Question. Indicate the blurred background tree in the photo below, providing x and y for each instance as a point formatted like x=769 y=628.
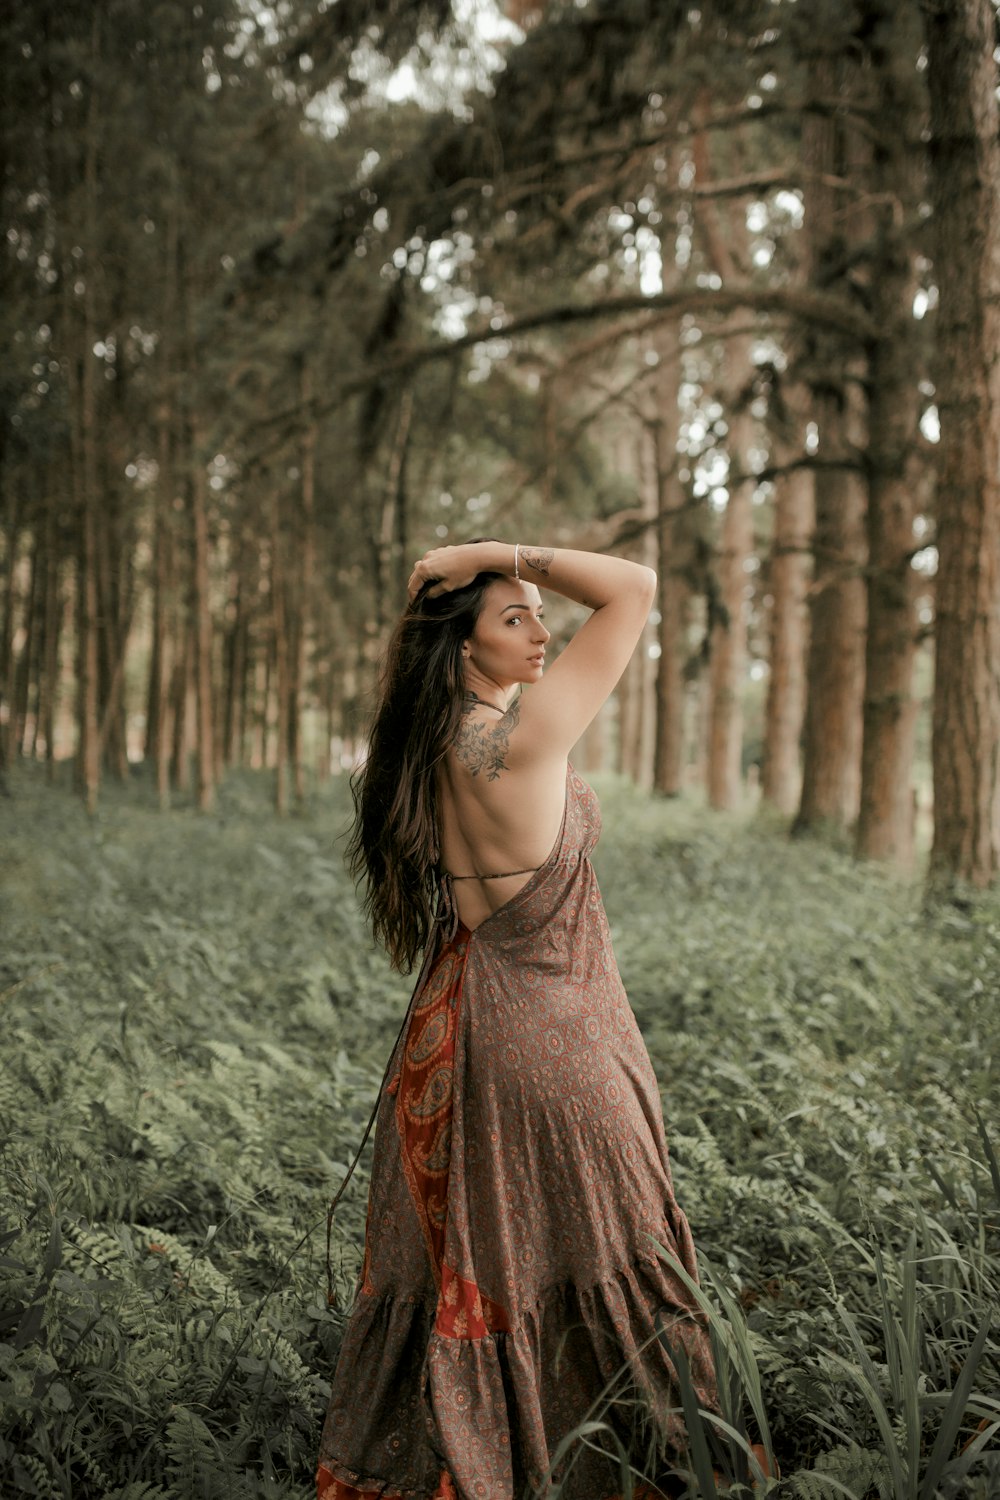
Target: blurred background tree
x=292 y=294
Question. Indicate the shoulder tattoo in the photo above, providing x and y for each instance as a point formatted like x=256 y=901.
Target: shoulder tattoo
x=480 y=747
x=537 y=558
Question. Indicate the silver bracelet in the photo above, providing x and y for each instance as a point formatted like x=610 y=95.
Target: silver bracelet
x=517 y=548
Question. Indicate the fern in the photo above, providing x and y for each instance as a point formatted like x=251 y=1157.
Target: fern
x=193 y=1455
x=847 y=1469
x=821 y=1043
x=860 y=1468
x=140 y=1490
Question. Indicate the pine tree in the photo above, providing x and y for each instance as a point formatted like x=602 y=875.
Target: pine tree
x=965 y=186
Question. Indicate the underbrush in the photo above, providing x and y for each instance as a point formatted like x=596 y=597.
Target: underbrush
x=195 y=1024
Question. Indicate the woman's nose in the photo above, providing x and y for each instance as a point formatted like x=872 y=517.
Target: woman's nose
x=541 y=634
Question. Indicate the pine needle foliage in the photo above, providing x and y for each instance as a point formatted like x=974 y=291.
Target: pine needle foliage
x=195 y=1023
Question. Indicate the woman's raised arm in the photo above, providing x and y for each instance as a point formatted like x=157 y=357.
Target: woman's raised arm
x=557 y=710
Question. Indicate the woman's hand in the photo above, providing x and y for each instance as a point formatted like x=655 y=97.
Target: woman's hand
x=448 y=568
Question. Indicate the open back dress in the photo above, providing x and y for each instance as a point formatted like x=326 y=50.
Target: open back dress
x=521 y=1217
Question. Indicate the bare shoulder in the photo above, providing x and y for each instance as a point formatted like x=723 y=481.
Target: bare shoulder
x=482 y=744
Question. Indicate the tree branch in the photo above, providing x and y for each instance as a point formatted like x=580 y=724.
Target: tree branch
x=807 y=461
x=822 y=308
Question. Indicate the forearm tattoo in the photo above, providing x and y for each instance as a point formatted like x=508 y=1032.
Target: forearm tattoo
x=483 y=748
x=537 y=558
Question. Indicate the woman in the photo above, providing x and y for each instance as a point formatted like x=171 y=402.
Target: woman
x=520 y=1184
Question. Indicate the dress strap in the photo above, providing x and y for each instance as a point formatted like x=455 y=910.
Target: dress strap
x=501 y=875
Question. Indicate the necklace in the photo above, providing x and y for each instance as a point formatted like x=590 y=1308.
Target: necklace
x=474 y=698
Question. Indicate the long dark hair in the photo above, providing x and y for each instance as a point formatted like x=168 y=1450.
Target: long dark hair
x=393 y=847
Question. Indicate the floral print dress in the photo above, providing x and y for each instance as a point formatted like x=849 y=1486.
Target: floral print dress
x=520 y=1188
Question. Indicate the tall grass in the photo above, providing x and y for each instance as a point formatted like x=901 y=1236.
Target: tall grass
x=195 y=1022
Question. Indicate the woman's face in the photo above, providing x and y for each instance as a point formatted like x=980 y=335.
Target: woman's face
x=508 y=643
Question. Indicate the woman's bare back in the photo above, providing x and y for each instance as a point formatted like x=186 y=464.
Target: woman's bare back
x=499 y=812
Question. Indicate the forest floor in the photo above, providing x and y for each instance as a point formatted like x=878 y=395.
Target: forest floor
x=195 y=1024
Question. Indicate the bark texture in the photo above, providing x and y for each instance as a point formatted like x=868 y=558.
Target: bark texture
x=831 y=770
x=674 y=588
x=885 y=821
x=89 y=760
x=790 y=566
x=965 y=185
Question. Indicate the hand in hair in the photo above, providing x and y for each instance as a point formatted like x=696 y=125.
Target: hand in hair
x=445 y=569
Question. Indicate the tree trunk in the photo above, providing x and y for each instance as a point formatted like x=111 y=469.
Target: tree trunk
x=965 y=184
x=262 y=701
x=673 y=603
x=330 y=681
x=234 y=668
x=630 y=718
x=282 y=683
x=156 y=633
x=202 y=610
x=636 y=690
x=789 y=568
x=831 y=769
x=384 y=526
x=89 y=726
x=645 y=664
x=113 y=728
x=112 y=613
x=728 y=646
x=24 y=669
x=160 y=689
x=674 y=588
x=50 y=662
x=165 y=621
x=8 y=660
x=244 y=683
x=726 y=245
x=885 y=821
x=166 y=617
x=301 y=616
x=702 y=713
x=182 y=694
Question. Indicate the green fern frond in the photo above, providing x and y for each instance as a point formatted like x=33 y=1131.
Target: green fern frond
x=139 y=1490
x=846 y=1468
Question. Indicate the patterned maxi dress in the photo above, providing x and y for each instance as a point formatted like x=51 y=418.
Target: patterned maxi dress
x=519 y=1187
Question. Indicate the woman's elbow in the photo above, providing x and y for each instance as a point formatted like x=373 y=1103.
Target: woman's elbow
x=647 y=582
